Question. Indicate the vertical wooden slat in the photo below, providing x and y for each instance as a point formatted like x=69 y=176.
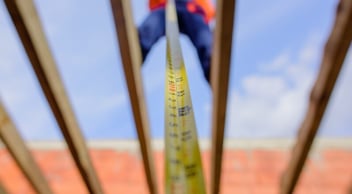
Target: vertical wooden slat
x=334 y=53
x=220 y=69
x=131 y=60
x=2 y=189
x=18 y=150
x=27 y=23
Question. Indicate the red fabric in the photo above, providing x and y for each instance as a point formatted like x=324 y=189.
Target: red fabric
x=153 y=4
x=191 y=7
x=207 y=8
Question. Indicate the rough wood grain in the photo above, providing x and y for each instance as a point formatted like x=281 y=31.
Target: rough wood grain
x=334 y=53
x=27 y=23
x=18 y=150
x=220 y=69
x=131 y=60
x=2 y=189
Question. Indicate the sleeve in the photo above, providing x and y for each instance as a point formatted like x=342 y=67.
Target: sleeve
x=155 y=3
x=208 y=8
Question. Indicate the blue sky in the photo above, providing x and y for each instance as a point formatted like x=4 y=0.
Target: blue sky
x=276 y=54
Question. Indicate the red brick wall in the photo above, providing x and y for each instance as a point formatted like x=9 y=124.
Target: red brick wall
x=244 y=171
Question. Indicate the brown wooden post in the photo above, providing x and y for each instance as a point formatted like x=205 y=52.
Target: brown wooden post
x=2 y=189
x=18 y=150
x=131 y=60
x=334 y=54
x=27 y=23
x=220 y=70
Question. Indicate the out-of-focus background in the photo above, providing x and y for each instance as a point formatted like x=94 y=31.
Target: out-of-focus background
x=276 y=55
x=277 y=48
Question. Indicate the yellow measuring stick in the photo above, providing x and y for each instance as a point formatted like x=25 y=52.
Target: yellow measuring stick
x=183 y=166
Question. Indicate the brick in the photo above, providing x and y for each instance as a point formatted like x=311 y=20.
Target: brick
x=244 y=172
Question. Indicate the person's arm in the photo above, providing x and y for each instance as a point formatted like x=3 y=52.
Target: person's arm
x=155 y=3
x=208 y=8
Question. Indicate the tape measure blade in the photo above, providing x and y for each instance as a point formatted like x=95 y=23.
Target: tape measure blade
x=183 y=167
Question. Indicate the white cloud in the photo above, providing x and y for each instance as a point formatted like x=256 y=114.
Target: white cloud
x=277 y=64
x=272 y=101
x=265 y=87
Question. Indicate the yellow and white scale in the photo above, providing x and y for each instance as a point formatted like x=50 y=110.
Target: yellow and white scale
x=183 y=166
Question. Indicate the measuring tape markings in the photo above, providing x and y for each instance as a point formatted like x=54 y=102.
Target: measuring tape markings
x=184 y=173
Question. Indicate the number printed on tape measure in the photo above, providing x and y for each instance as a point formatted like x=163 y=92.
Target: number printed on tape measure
x=172 y=100
x=183 y=167
x=172 y=107
x=175 y=161
x=179 y=79
x=183 y=111
x=186 y=135
x=175 y=178
x=172 y=115
x=172 y=87
x=191 y=174
x=181 y=93
x=174 y=135
x=191 y=170
x=177 y=148
x=173 y=124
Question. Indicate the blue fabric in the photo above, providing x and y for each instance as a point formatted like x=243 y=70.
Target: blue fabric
x=191 y=24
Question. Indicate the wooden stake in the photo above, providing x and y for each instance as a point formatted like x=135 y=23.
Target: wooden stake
x=25 y=18
x=334 y=54
x=220 y=70
x=131 y=60
x=18 y=150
